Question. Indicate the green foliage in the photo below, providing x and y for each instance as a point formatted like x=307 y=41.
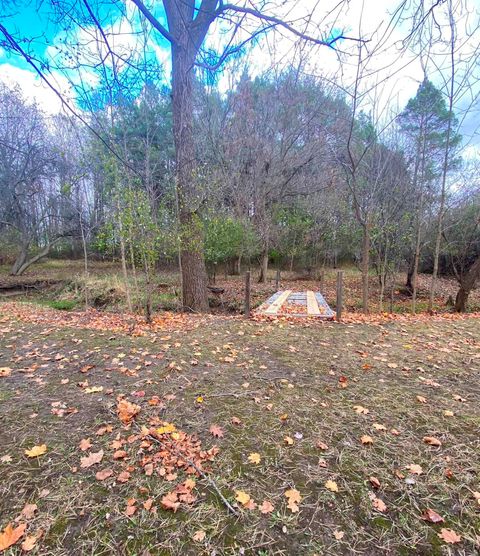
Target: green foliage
x=227 y=237
x=63 y=304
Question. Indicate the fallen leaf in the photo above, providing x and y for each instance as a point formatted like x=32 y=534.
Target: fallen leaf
x=331 y=485
x=266 y=507
x=432 y=516
x=5 y=371
x=321 y=445
x=127 y=411
x=254 y=458
x=242 y=497
x=235 y=421
x=374 y=482
x=449 y=536
x=10 y=536
x=392 y=365
x=199 y=536
x=93 y=389
x=421 y=399
x=360 y=409
x=448 y=413
x=36 y=451
x=294 y=498
x=216 y=431
x=29 y=511
x=7 y=458
x=288 y=440
x=148 y=469
x=91 y=459
x=432 y=441
x=378 y=503
x=379 y=427
x=170 y=502
x=85 y=444
x=415 y=469
x=339 y=535
x=30 y=541
x=103 y=474
x=366 y=439
x=123 y=477
x=147 y=505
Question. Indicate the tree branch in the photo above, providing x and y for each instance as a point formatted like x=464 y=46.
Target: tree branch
x=154 y=21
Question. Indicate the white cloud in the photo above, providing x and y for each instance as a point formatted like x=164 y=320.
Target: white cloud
x=34 y=88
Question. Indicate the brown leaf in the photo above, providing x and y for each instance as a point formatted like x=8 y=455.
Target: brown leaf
x=216 y=431
x=432 y=516
x=366 y=439
x=103 y=474
x=119 y=454
x=127 y=411
x=321 y=445
x=170 y=502
x=266 y=507
x=374 y=481
x=339 y=535
x=294 y=498
x=5 y=371
x=415 y=469
x=29 y=511
x=378 y=503
x=242 y=497
x=331 y=485
x=148 y=504
x=235 y=421
x=85 y=444
x=123 y=477
x=10 y=536
x=30 y=541
x=421 y=399
x=130 y=510
x=148 y=469
x=91 y=459
x=449 y=536
x=432 y=441
x=199 y=536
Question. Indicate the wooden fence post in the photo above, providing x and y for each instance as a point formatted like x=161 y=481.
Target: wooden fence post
x=277 y=280
x=247 y=293
x=339 y=305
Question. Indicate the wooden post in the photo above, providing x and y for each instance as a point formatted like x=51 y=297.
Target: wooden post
x=277 y=280
x=339 y=295
x=322 y=281
x=247 y=293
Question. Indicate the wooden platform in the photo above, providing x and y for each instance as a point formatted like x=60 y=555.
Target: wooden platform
x=297 y=304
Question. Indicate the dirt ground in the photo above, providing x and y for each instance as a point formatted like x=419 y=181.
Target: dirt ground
x=369 y=427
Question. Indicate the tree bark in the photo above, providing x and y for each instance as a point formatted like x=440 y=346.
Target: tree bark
x=467 y=283
x=263 y=266
x=365 y=265
x=194 y=274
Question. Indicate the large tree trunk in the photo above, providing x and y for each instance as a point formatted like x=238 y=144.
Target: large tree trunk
x=22 y=262
x=466 y=285
x=194 y=274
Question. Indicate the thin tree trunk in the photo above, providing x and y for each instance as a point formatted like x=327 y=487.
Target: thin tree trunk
x=365 y=265
x=263 y=266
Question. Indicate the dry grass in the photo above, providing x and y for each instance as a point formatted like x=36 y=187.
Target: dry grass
x=279 y=380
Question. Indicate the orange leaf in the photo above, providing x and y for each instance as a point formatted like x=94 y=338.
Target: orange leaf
x=449 y=536
x=366 y=439
x=216 y=431
x=85 y=444
x=30 y=541
x=432 y=441
x=266 y=507
x=126 y=411
x=103 y=474
x=91 y=459
x=432 y=516
x=170 y=502
x=294 y=498
x=10 y=536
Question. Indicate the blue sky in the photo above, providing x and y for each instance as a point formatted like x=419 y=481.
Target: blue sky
x=31 y=19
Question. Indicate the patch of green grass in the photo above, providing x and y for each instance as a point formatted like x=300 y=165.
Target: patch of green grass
x=62 y=304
